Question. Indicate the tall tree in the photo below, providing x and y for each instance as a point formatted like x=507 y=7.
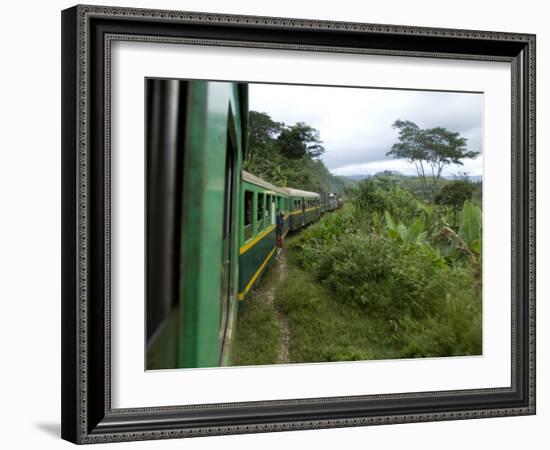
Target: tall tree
x=299 y=141
x=410 y=147
x=262 y=129
x=262 y=155
x=286 y=155
x=430 y=150
x=444 y=148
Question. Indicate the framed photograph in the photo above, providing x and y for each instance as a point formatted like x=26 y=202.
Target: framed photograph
x=280 y=224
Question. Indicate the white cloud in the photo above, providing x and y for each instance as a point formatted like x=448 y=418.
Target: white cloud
x=471 y=167
x=356 y=123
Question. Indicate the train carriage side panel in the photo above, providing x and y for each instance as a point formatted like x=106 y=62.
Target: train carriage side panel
x=210 y=128
x=258 y=231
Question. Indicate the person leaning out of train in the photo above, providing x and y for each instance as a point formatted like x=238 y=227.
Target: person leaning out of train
x=280 y=222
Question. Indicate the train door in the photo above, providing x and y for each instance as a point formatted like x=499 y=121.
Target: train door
x=303 y=211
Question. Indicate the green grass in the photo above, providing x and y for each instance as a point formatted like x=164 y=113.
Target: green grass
x=325 y=329
x=258 y=334
x=321 y=329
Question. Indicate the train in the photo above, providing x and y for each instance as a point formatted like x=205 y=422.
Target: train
x=210 y=225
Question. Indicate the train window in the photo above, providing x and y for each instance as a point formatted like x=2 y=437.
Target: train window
x=268 y=208
x=260 y=211
x=273 y=209
x=248 y=206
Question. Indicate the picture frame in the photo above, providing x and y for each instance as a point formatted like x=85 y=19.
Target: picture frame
x=87 y=413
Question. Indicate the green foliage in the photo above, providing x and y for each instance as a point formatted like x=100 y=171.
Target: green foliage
x=455 y=330
x=388 y=278
x=300 y=141
x=313 y=242
x=415 y=234
x=470 y=226
x=321 y=328
x=424 y=303
x=357 y=297
x=377 y=195
x=258 y=335
x=262 y=129
x=455 y=193
x=262 y=156
x=288 y=155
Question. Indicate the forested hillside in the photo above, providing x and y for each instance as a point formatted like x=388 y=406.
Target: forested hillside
x=289 y=155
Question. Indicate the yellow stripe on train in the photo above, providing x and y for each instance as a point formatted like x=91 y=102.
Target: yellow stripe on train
x=300 y=212
x=252 y=242
x=256 y=275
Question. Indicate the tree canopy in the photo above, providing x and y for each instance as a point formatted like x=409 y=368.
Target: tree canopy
x=454 y=194
x=429 y=150
x=288 y=155
x=300 y=141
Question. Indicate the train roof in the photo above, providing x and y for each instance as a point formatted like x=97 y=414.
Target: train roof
x=247 y=176
x=299 y=193
x=291 y=192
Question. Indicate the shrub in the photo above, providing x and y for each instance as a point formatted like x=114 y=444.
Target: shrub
x=315 y=240
x=373 y=198
x=391 y=279
x=454 y=194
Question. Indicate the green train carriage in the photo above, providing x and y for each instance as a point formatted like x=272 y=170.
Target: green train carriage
x=211 y=227
x=196 y=139
x=261 y=202
x=305 y=207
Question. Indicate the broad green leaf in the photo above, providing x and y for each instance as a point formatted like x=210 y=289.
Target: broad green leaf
x=470 y=222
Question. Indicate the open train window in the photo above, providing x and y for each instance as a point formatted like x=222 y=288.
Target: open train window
x=260 y=211
x=248 y=206
x=268 y=208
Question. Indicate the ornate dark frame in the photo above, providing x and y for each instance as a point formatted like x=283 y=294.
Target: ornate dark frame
x=87 y=32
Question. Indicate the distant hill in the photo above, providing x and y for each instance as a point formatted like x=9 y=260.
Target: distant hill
x=355 y=177
x=339 y=183
x=393 y=173
x=472 y=178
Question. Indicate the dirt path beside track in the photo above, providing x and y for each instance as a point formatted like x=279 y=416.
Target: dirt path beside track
x=267 y=294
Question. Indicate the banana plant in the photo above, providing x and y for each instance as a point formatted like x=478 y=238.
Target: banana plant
x=414 y=234
x=470 y=226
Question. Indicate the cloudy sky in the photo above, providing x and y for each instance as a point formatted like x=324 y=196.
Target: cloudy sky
x=356 y=123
